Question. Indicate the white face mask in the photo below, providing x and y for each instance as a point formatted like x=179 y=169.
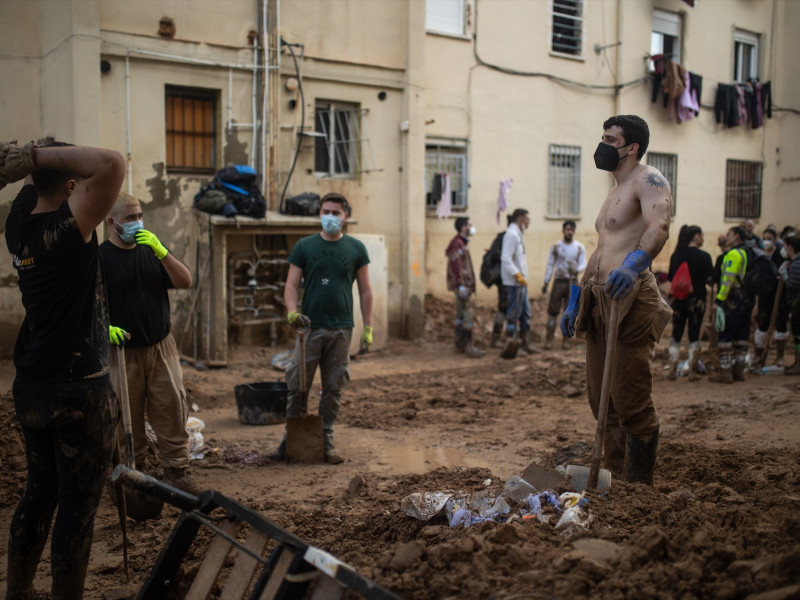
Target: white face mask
x=768 y=244
x=784 y=254
x=472 y=231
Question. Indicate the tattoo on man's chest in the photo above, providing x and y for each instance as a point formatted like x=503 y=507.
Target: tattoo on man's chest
x=656 y=181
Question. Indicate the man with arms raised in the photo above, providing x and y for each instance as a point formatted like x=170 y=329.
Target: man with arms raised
x=633 y=226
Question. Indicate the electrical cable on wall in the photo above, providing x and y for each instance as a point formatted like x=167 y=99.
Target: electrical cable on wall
x=302 y=118
x=554 y=78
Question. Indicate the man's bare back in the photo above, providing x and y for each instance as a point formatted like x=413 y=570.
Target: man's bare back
x=635 y=216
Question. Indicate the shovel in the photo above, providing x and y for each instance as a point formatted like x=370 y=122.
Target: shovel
x=304 y=442
x=587 y=478
x=138 y=505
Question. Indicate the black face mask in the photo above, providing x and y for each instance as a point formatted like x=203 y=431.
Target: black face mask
x=606 y=157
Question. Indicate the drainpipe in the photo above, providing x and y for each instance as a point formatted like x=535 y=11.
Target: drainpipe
x=254 y=101
x=128 y=162
x=264 y=99
x=618 y=71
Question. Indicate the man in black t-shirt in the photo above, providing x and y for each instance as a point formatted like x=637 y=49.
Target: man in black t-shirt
x=63 y=397
x=139 y=270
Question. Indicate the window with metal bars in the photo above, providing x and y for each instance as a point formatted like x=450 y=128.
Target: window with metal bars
x=568 y=27
x=668 y=165
x=564 y=192
x=743 y=189
x=191 y=123
x=451 y=160
x=342 y=146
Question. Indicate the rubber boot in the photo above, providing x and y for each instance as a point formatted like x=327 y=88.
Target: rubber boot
x=469 y=348
x=179 y=477
x=724 y=375
x=279 y=454
x=757 y=361
x=739 y=363
x=694 y=361
x=640 y=458
x=332 y=455
x=549 y=333
x=614 y=443
x=527 y=343
x=795 y=368
x=674 y=350
x=780 y=348
x=497 y=331
x=458 y=338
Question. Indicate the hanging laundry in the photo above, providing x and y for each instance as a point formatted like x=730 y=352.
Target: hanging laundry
x=674 y=84
x=436 y=188
x=696 y=88
x=659 y=70
x=502 y=196
x=688 y=105
x=444 y=206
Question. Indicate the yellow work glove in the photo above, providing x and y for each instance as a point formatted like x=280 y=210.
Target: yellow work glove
x=297 y=320
x=520 y=279
x=148 y=238
x=366 y=339
x=117 y=335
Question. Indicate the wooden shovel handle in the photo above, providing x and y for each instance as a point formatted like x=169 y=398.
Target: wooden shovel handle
x=605 y=392
x=301 y=340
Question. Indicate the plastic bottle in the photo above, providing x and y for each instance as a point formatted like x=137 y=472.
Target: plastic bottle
x=772 y=370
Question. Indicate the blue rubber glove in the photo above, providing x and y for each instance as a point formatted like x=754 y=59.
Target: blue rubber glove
x=620 y=281
x=463 y=292
x=571 y=314
x=719 y=320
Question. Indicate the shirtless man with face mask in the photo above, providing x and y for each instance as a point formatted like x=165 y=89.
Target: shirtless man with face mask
x=633 y=226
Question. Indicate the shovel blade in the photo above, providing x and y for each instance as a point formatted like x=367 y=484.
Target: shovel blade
x=579 y=477
x=304 y=442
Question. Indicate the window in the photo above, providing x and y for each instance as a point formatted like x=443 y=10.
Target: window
x=338 y=137
x=191 y=129
x=666 y=35
x=445 y=16
x=668 y=165
x=745 y=56
x=743 y=190
x=450 y=159
x=568 y=27
x=564 y=197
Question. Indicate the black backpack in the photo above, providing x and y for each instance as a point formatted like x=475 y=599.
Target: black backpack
x=490 y=265
x=761 y=276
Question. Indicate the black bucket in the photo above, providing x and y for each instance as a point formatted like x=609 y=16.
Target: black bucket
x=261 y=403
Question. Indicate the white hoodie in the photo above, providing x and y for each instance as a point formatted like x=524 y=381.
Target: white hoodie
x=512 y=258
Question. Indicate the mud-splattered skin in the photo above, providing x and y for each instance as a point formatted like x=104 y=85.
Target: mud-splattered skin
x=635 y=214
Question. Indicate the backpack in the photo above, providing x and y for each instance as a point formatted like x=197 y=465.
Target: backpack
x=490 y=265
x=761 y=276
x=238 y=184
x=682 y=286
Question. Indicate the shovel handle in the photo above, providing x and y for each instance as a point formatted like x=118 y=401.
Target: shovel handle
x=125 y=406
x=301 y=341
x=605 y=392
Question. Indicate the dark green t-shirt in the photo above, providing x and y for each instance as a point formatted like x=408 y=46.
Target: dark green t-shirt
x=329 y=269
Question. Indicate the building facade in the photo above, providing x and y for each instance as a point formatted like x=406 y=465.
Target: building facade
x=394 y=103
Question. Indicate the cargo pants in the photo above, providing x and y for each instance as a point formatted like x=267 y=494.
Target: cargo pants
x=643 y=315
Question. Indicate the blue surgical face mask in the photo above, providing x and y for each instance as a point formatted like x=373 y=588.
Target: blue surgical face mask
x=330 y=224
x=129 y=230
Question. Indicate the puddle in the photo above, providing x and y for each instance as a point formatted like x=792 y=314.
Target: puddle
x=407 y=459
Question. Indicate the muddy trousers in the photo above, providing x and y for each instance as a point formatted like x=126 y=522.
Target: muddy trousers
x=156 y=393
x=330 y=350
x=69 y=440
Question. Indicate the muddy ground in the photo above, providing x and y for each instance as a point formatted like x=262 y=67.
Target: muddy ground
x=721 y=521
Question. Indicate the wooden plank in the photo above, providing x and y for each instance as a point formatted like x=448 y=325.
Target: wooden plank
x=328 y=589
x=212 y=563
x=277 y=575
x=244 y=567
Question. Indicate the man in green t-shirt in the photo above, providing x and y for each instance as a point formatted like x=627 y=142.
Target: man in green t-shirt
x=327 y=263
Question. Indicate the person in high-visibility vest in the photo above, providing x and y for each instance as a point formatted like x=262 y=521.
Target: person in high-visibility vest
x=734 y=308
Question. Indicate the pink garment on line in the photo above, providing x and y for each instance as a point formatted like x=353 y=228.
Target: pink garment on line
x=502 y=197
